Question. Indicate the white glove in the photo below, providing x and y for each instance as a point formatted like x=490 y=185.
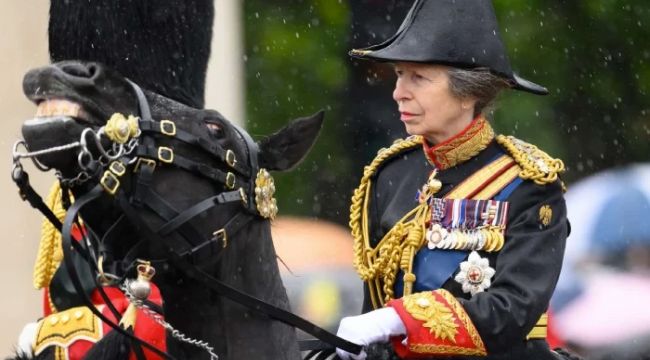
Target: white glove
x=26 y=340
x=373 y=327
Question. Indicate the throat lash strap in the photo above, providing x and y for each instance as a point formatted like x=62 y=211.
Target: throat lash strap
x=205 y=205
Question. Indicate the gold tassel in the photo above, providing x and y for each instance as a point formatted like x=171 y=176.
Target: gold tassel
x=50 y=253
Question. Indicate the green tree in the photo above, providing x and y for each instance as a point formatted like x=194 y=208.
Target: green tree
x=592 y=56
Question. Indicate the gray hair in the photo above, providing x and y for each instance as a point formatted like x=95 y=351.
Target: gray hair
x=479 y=84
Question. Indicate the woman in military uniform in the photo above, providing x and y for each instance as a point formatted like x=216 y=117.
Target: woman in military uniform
x=459 y=233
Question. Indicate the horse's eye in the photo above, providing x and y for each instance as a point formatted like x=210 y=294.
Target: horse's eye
x=214 y=129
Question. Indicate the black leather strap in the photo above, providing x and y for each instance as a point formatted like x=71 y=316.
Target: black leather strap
x=211 y=147
x=205 y=170
x=253 y=152
x=205 y=205
x=68 y=244
x=26 y=191
x=231 y=293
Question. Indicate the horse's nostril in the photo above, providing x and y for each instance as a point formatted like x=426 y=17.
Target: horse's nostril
x=92 y=70
x=78 y=70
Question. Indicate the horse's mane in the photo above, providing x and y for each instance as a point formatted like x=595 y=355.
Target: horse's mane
x=163 y=45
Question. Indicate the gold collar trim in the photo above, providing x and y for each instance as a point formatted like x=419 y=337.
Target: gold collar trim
x=462 y=147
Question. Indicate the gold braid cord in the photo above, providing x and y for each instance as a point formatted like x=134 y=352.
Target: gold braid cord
x=379 y=266
x=50 y=252
x=536 y=165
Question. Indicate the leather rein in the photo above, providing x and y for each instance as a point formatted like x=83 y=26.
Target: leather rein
x=144 y=157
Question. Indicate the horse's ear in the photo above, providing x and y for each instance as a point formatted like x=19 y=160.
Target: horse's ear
x=287 y=147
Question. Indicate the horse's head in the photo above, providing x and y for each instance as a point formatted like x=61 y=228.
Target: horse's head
x=210 y=154
x=72 y=96
x=188 y=172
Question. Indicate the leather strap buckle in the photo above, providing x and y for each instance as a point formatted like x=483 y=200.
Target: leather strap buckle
x=117 y=168
x=144 y=162
x=230 y=180
x=244 y=198
x=168 y=127
x=166 y=154
x=231 y=160
x=110 y=182
x=221 y=235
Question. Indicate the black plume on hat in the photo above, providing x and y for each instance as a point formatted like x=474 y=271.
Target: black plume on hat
x=163 y=45
x=459 y=33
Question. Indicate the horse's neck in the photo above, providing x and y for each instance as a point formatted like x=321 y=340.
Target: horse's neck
x=249 y=264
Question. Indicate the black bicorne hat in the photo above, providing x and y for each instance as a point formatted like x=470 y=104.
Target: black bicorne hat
x=459 y=33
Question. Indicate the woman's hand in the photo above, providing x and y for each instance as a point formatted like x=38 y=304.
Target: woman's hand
x=372 y=327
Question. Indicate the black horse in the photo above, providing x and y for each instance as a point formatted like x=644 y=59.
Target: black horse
x=215 y=158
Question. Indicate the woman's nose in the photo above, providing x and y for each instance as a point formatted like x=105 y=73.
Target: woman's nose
x=400 y=92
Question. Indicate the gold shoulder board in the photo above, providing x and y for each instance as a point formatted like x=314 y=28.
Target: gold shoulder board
x=535 y=164
x=64 y=328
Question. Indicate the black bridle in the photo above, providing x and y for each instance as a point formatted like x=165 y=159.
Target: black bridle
x=184 y=257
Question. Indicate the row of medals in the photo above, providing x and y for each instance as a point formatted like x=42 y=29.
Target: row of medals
x=486 y=238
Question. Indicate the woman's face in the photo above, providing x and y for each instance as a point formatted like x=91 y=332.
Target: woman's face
x=426 y=105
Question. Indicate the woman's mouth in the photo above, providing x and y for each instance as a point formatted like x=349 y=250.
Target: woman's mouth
x=406 y=116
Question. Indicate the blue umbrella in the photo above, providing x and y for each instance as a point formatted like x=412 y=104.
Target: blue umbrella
x=623 y=222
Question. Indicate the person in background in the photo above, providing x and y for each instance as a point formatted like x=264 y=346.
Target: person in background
x=459 y=233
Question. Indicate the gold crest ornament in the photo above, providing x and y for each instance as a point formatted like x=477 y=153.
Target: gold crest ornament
x=120 y=129
x=545 y=215
x=264 y=191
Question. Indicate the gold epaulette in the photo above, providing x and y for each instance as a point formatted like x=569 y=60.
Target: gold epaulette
x=535 y=164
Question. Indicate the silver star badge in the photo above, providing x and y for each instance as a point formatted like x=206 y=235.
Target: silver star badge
x=475 y=274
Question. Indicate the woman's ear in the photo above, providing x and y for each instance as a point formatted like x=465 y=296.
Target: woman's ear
x=288 y=147
x=468 y=103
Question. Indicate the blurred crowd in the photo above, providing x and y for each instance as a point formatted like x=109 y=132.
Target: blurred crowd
x=601 y=302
